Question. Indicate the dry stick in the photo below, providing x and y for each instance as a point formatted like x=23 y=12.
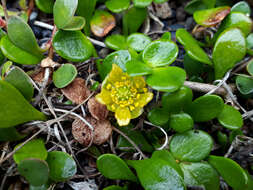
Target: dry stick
x=130 y=141
x=30 y=8
x=5 y=9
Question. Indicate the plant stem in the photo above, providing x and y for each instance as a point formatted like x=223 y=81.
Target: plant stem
x=5 y=9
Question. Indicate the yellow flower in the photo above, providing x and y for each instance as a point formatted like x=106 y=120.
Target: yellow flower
x=124 y=95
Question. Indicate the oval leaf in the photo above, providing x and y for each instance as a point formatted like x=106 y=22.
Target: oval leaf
x=142 y=3
x=46 y=6
x=205 y=108
x=167 y=79
x=250 y=67
x=72 y=45
x=160 y=53
x=191 y=146
x=137 y=68
x=138 y=41
x=117 y=6
x=244 y=84
x=116 y=42
x=229 y=48
x=158 y=116
x=64 y=75
x=242 y=7
x=181 y=122
x=61 y=165
x=113 y=167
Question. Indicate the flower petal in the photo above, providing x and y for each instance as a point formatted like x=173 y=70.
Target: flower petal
x=139 y=82
x=136 y=113
x=123 y=116
x=115 y=74
x=104 y=97
x=144 y=99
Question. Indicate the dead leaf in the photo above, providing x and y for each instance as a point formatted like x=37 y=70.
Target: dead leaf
x=76 y=91
x=97 y=110
x=38 y=76
x=48 y=62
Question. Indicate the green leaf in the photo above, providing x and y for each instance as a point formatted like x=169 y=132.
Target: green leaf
x=114 y=187
x=15 y=109
x=157 y=174
x=133 y=19
x=230 y=118
x=72 y=45
x=192 y=47
x=230 y=171
x=181 y=122
x=142 y=3
x=166 y=36
x=168 y=157
x=201 y=174
x=137 y=68
x=167 y=79
x=205 y=108
x=249 y=43
x=244 y=84
x=21 y=35
x=138 y=41
x=42 y=187
x=102 y=23
x=64 y=11
x=250 y=67
x=191 y=146
x=61 y=165
x=17 y=54
x=160 y=53
x=85 y=9
x=192 y=66
x=64 y=75
x=10 y=134
x=158 y=116
x=241 y=6
x=34 y=170
x=136 y=136
x=113 y=167
x=211 y=17
x=229 y=49
x=238 y=20
x=76 y=23
x=175 y=102
x=116 y=42
x=117 y=6
x=119 y=58
x=46 y=6
x=33 y=149
x=21 y=81
x=195 y=5
x=6 y=68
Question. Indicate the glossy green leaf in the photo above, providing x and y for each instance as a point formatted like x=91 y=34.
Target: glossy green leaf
x=138 y=41
x=142 y=3
x=181 y=122
x=191 y=146
x=192 y=66
x=85 y=9
x=62 y=166
x=34 y=170
x=113 y=167
x=230 y=171
x=21 y=35
x=249 y=44
x=10 y=134
x=46 y=6
x=15 y=109
x=116 y=42
x=72 y=45
x=167 y=79
x=241 y=6
x=76 y=23
x=234 y=134
x=166 y=36
x=250 y=67
x=192 y=47
x=33 y=149
x=21 y=81
x=195 y=5
x=160 y=1
x=6 y=68
x=136 y=136
x=42 y=187
x=157 y=174
x=119 y=58
x=158 y=116
x=205 y=108
x=211 y=17
x=238 y=20
x=229 y=49
x=168 y=157
x=117 y=6
x=133 y=19
x=114 y=187
x=102 y=23
x=201 y=174
x=64 y=11
x=175 y=102
x=160 y=53
x=244 y=84
x=63 y=76
x=230 y=118
x=137 y=68
x=16 y=54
